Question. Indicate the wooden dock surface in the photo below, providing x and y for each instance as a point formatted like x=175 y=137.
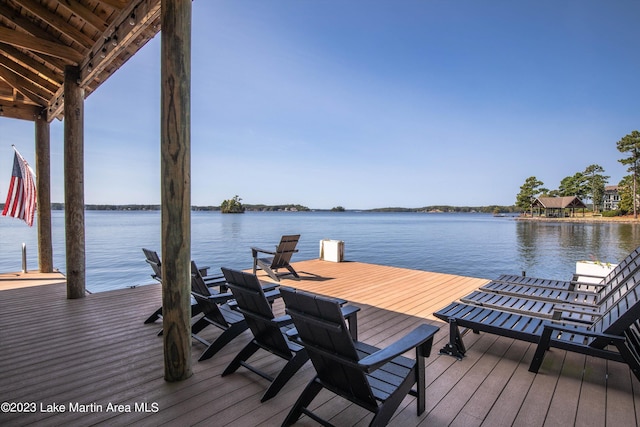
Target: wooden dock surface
x=96 y=359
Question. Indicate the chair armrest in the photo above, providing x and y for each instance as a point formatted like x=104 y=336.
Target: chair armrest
x=413 y=339
x=581 y=330
x=254 y=251
x=268 y=286
x=283 y=320
x=574 y=313
x=216 y=298
x=349 y=310
x=272 y=295
x=598 y=284
x=580 y=309
x=212 y=278
x=278 y=321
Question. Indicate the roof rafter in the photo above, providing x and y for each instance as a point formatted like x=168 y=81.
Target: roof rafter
x=22 y=85
x=29 y=75
x=25 y=41
x=124 y=30
x=85 y=14
x=56 y=22
x=40 y=38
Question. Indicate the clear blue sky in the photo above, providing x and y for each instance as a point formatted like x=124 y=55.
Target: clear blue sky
x=369 y=103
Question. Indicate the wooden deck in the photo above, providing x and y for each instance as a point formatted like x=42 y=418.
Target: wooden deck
x=96 y=352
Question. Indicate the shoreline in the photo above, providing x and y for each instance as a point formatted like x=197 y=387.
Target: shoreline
x=627 y=219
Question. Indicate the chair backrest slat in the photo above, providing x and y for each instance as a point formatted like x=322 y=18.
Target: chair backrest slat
x=153 y=260
x=618 y=318
x=151 y=255
x=201 y=292
x=252 y=302
x=621 y=279
x=285 y=250
x=632 y=260
x=321 y=325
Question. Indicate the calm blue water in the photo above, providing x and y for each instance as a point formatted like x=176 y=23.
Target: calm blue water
x=476 y=245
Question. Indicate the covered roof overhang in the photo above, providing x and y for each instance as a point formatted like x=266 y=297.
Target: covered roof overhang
x=559 y=202
x=39 y=38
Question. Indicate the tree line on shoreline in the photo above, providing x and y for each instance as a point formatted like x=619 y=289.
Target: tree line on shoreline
x=300 y=208
x=589 y=184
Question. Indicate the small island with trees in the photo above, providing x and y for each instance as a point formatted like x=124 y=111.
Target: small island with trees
x=232 y=205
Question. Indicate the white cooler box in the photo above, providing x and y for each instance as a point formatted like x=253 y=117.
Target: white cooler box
x=332 y=250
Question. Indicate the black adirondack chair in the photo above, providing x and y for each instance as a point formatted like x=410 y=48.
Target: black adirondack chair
x=279 y=258
x=375 y=379
x=269 y=332
x=213 y=281
x=615 y=335
x=216 y=311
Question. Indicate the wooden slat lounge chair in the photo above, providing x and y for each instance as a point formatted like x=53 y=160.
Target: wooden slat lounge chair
x=568 y=291
x=507 y=283
x=566 y=305
x=279 y=258
x=615 y=335
x=269 y=332
x=375 y=379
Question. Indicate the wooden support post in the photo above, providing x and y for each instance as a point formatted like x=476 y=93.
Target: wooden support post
x=43 y=202
x=74 y=182
x=176 y=187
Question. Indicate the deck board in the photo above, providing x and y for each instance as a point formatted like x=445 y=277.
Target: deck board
x=97 y=350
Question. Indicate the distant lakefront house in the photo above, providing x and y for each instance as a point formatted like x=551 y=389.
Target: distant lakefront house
x=557 y=207
x=611 y=198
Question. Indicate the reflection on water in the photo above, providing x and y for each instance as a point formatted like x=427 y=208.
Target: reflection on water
x=547 y=246
x=475 y=245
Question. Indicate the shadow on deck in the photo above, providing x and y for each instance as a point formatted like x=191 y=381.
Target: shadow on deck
x=96 y=359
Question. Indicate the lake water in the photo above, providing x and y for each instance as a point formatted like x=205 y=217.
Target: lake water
x=476 y=245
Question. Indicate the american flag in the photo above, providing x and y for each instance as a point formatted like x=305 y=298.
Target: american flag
x=21 y=199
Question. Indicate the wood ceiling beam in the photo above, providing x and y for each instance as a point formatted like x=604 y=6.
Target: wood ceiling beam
x=28 y=42
x=130 y=24
x=24 y=86
x=29 y=75
x=85 y=14
x=115 y=4
x=57 y=22
x=37 y=66
x=20 y=111
x=24 y=24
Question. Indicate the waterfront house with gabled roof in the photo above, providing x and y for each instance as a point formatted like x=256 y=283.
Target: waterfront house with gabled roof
x=559 y=206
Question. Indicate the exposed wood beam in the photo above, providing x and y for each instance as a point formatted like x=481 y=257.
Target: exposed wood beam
x=25 y=24
x=29 y=75
x=37 y=66
x=115 y=4
x=85 y=14
x=24 y=86
x=19 y=111
x=25 y=41
x=57 y=22
x=141 y=14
